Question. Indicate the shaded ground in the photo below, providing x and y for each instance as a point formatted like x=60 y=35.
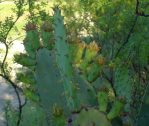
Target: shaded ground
x=7 y=92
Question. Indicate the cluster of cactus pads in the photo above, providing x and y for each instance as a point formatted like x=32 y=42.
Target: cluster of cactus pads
x=63 y=72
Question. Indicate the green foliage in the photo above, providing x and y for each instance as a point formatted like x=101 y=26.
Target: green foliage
x=4 y=28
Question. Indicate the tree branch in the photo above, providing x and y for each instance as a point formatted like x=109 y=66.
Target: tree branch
x=137 y=14
x=128 y=36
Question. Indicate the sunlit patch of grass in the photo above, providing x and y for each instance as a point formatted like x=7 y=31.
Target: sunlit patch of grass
x=6 y=10
x=18 y=29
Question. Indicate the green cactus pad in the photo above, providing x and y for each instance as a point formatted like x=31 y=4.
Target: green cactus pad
x=49 y=86
x=76 y=51
x=116 y=109
x=31 y=42
x=63 y=59
x=93 y=72
x=91 y=117
x=24 y=60
x=102 y=97
x=90 y=53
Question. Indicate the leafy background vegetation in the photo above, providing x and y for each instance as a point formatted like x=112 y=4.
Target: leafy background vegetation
x=91 y=62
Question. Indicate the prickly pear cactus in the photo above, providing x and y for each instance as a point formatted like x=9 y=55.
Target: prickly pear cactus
x=35 y=39
x=102 y=97
x=49 y=82
x=76 y=52
x=25 y=61
x=86 y=72
x=91 y=117
x=87 y=60
x=28 y=61
x=86 y=92
x=47 y=35
x=65 y=74
x=100 y=117
x=33 y=115
x=63 y=59
x=124 y=85
x=90 y=53
x=31 y=42
x=93 y=72
x=116 y=109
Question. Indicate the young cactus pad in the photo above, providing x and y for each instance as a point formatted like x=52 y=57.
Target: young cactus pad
x=116 y=109
x=31 y=41
x=93 y=72
x=76 y=50
x=90 y=53
x=102 y=97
